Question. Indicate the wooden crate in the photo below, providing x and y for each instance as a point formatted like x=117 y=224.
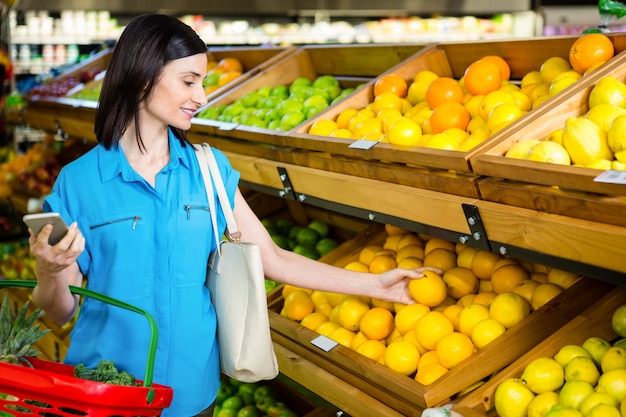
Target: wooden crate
x=351 y=65
x=593 y=321
x=559 y=189
x=403 y=393
x=450 y=60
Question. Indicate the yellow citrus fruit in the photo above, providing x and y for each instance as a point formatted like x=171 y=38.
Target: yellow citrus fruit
x=596 y=346
x=377 y=323
x=519 y=150
x=402 y=357
x=526 y=289
x=604 y=114
x=509 y=309
x=391 y=242
x=373 y=349
x=484 y=285
x=608 y=90
x=431 y=328
x=410 y=251
x=582 y=368
x=613 y=382
x=391 y=229
x=342 y=336
x=543 y=294
x=470 y=316
x=428 y=357
x=288 y=289
x=335 y=298
x=465 y=256
x=410 y=263
x=407 y=317
x=512 y=398
x=542 y=403
x=561 y=83
x=410 y=239
x=410 y=337
x=563 y=279
x=367 y=253
x=543 y=374
x=327 y=328
x=604 y=410
x=483 y=263
x=442 y=141
x=485 y=298
x=357 y=340
x=324 y=308
x=404 y=132
x=568 y=352
x=350 y=312
x=613 y=358
x=618 y=321
x=430 y=290
x=596 y=398
x=573 y=393
x=440 y=258
x=486 y=331
x=417 y=89
x=382 y=263
x=466 y=300
x=298 y=304
x=357 y=266
x=453 y=312
x=503 y=113
x=585 y=141
x=313 y=320
x=323 y=127
x=615 y=134
x=453 y=349
x=552 y=67
x=460 y=281
x=436 y=243
x=493 y=99
x=549 y=152
x=430 y=373
x=507 y=277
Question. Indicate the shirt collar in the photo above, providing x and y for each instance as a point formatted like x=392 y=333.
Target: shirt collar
x=113 y=162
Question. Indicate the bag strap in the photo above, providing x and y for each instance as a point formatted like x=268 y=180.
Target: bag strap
x=204 y=169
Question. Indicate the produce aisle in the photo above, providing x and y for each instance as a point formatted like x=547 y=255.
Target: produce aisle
x=549 y=222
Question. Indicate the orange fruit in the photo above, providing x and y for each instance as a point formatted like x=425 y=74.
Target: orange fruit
x=350 y=312
x=410 y=337
x=288 y=289
x=327 y=328
x=526 y=289
x=470 y=316
x=430 y=373
x=357 y=266
x=227 y=77
x=410 y=251
x=590 y=49
x=391 y=229
x=544 y=293
x=431 y=328
x=503 y=66
x=298 y=305
x=313 y=320
x=430 y=290
x=437 y=242
x=391 y=242
x=342 y=336
x=509 y=309
x=427 y=358
x=442 y=90
x=440 y=258
x=230 y=64
x=454 y=348
x=449 y=115
x=410 y=263
x=507 y=277
x=482 y=77
x=377 y=323
x=563 y=279
x=382 y=263
x=373 y=349
x=407 y=317
x=483 y=263
x=484 y=297
x=357 y=340
x=461 y=281
x=391 y=82
x=367 y=253
x=465 y=256
x=453 y=312
x=402 y=357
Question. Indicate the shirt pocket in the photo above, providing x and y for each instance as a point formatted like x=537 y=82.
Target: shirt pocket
x=194 y=244
x=123 y=256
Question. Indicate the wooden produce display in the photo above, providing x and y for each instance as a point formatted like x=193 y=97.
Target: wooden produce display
x=351 y=65
x=594 y=321
x=402 y=393
x=562 y=189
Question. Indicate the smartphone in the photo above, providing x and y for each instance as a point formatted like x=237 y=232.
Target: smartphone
x=37 y=221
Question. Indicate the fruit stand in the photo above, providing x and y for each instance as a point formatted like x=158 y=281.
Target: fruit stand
x=531 y=211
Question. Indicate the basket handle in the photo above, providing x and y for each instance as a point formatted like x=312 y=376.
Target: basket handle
x=147 y=381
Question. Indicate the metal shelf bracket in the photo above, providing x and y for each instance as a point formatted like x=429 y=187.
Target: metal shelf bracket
x=287 y=191
x=478 y=235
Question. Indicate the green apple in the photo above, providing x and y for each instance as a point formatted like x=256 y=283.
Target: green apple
x=289 y=105
x=264 y=91
x=291 y=120
x=325 y=81
x=250 y=99
x=280 y=91
x=264 y=391
x=300 y=82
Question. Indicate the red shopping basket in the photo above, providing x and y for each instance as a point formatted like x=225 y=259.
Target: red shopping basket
x=50 y=389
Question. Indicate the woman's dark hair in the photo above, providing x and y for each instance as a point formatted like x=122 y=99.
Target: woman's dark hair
x=148 y=43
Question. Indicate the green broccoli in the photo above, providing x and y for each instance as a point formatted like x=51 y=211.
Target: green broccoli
x=105 y=372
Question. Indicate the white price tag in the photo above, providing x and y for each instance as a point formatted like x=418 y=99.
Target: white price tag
x=363 y=144
x=612 y=177
x=324 y=343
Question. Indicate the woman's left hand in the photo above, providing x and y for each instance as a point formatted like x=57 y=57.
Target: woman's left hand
x=394 y=283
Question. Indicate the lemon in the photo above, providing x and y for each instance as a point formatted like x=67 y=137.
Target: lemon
x=560 y=411
x=552 y=67
x=493 y=99
x=512 y=398
x=582 y=368
x=559 y=84
x=596 y=346
x=618 y=166
x=613 y=382
x=585 y=141
x=604 y=410
x=550 y=152
x=532 y=77
x=442 y=141
x=519 y=150
x=556 y=136
x=597 y=398
x=605 y=114
x=602 y=164
x=616 y=135
x=608 y=90
x=323 y=127
x=543 y=374
x=613 y=358
x=568 y=352
x=618 y=320
x=503 y=113
x=543 y=403
x=573 y=393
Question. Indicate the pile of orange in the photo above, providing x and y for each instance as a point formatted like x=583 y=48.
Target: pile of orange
x=476 y=298
x=222 y=72
x=436 y=110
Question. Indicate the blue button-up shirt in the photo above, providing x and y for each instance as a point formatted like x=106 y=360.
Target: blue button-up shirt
x=146 y=246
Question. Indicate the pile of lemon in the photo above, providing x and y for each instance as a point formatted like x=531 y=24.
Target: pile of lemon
x=595 y=139
x=587 y=380
x=476 y=298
